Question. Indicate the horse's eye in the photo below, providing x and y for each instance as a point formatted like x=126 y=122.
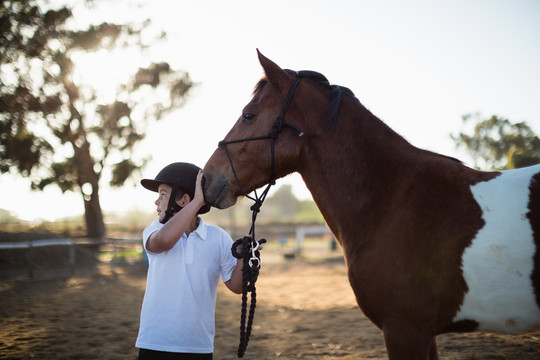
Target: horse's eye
x=248 y=117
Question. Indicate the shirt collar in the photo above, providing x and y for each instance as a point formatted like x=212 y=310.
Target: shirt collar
x=201 y=230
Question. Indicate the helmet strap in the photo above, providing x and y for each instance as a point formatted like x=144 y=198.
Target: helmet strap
x=172 y=207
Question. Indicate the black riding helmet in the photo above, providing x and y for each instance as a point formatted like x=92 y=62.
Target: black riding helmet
x=182 y=177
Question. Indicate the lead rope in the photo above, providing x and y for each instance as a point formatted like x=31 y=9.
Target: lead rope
x=250 y=253
x=250 y=272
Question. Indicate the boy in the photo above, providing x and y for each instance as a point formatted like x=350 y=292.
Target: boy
x=186 y=259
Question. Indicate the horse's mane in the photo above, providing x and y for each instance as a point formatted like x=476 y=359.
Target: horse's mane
x=336 y=92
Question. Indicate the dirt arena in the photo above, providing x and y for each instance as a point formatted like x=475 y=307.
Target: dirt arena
x=305 y=310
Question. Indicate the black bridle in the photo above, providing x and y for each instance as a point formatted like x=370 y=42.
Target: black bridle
x=272 y=135
x=252 y=262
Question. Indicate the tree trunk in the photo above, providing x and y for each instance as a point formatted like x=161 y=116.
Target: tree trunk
x=95 y=227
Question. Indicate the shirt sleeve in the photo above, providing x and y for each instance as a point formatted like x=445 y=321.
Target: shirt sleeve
x=149 y=230
x=228 y=261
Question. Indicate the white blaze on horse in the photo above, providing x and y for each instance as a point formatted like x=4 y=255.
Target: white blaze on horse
x=431 y=245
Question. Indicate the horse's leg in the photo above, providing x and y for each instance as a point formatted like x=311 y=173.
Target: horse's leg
x=403 y=343
x=433 y=353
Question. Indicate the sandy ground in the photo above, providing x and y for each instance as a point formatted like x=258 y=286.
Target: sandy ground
x=305 y=310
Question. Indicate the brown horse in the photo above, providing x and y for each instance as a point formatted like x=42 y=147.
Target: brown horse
x=431 y=245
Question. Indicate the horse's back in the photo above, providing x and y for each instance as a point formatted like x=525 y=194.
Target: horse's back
x=502 y=265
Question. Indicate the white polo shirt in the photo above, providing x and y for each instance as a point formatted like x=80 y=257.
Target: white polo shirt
x=179 y=303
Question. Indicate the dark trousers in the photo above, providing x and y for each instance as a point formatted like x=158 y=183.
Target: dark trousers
x=145 y=354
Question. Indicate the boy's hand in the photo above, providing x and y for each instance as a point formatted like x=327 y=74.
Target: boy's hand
x=239 y=246
x=199 y=196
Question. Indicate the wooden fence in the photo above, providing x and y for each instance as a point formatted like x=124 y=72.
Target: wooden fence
x=113 y=250
x=71 y=243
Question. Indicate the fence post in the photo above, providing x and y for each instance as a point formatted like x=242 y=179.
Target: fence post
x=30 y=259
x=113 y=262
x=72 y=258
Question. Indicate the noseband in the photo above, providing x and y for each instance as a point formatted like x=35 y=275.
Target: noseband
x=252 y=262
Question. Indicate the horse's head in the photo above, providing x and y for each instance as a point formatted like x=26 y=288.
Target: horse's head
x=264 y=144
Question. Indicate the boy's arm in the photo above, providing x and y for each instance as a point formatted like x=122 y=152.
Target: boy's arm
x=168 y=235
x=235 y=282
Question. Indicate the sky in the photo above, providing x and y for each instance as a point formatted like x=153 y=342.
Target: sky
x=418 y=65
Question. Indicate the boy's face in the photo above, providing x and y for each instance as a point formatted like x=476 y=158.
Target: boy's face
x=162 y=202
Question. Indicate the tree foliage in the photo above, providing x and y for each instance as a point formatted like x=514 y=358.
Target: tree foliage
x=282 y=205
x=55 y=129
x=496 y=143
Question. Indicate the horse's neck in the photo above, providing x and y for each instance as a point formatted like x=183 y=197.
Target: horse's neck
x=353 y=168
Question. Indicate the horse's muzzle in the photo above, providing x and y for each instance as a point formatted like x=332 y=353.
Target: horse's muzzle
x=218 y=192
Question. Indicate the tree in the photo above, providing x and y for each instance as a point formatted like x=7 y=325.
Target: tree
x=56 y=130
x=500 y=144
x=282 y=205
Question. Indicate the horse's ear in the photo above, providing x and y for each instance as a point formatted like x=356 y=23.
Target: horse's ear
x=275 y=75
